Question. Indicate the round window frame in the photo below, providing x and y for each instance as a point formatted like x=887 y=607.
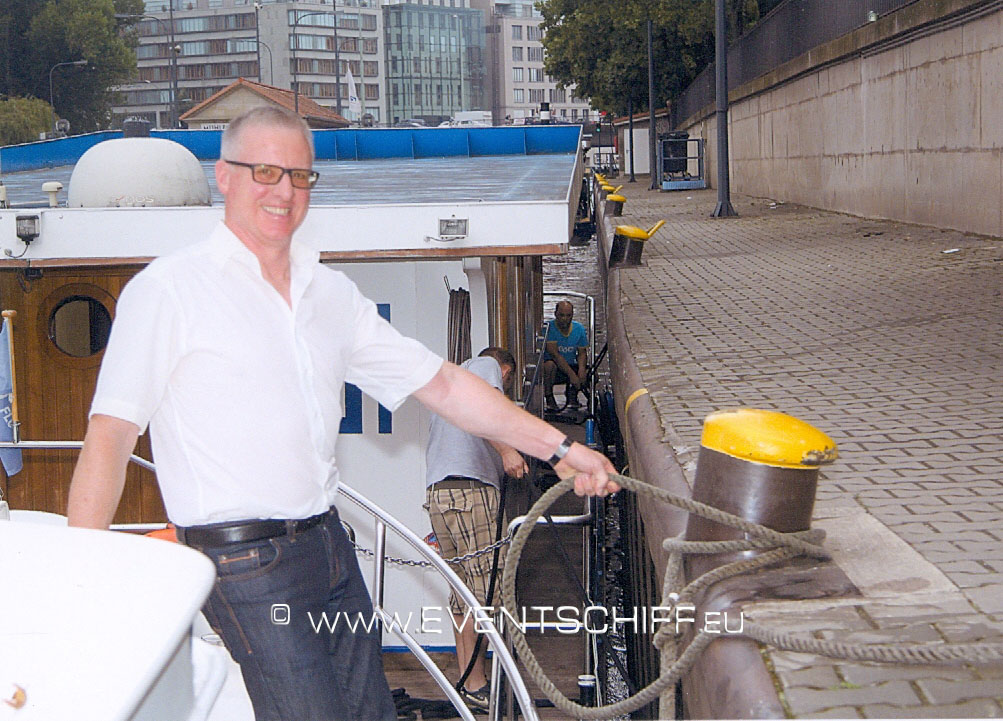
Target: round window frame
x=52 y=303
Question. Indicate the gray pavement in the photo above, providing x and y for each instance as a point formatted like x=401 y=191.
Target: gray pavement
x=888 y=337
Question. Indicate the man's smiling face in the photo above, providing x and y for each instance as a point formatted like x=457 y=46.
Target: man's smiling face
x=265 y=216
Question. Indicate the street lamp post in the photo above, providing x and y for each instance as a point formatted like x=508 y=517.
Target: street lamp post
x=337 y=57
x=52 y=107
x=172 y=58
x=257 y=37
x=271 y=69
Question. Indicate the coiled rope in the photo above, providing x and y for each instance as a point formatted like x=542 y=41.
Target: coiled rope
x=782 y=545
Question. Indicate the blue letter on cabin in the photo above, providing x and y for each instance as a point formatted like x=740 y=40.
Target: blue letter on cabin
x=352 y=421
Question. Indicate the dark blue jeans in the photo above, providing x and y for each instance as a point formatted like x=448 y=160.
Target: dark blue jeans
x=268 y=606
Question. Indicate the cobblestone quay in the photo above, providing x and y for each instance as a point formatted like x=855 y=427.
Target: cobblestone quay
x=886 y=336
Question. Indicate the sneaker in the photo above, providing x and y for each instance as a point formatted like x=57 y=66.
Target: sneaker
x=573 y=402
x=478 y=700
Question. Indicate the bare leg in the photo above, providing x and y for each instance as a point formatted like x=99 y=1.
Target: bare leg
x=465 y=641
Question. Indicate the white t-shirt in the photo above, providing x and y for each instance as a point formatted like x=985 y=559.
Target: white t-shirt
x=242 y=393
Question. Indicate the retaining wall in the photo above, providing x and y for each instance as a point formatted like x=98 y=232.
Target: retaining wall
x=899 y=119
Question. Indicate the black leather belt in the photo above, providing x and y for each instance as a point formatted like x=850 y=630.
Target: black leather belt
x=219 y=534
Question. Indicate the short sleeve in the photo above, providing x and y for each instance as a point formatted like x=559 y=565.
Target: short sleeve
x=142 y=350
x=384 y=363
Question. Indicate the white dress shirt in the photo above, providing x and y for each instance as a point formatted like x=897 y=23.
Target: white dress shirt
x=242 y=393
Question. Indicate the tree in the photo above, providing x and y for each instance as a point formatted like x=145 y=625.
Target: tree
x=22 y=119
x=35 y=35
x=600 y=47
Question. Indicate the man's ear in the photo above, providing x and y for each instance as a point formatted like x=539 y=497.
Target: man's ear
x=222 y=169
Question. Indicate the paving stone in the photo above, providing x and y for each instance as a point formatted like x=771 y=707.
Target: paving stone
x=839 y=712
x=803 y=700
x=938 y=691
x=988 y=599
x=815 y=676
x=982 y=708
x=863 y=675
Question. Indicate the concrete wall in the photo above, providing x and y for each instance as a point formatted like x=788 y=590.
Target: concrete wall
x=902 y=119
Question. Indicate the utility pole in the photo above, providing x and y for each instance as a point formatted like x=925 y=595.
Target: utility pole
x=724 y=208
x=652 y=157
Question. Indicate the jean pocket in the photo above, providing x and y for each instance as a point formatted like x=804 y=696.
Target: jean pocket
x=248 y=562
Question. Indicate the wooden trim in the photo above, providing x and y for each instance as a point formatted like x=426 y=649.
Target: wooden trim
x=73 y=262
x=402 y=254
x=493 y=251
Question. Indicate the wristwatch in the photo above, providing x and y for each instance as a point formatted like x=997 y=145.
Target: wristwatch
x=562 y=450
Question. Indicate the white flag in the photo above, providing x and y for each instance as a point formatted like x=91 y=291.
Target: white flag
x=353 y=97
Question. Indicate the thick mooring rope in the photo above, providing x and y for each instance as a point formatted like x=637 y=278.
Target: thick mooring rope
x=782 y=545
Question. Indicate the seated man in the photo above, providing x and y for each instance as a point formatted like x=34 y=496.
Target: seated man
x=565 y=356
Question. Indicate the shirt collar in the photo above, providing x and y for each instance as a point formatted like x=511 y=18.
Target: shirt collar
x=224 y=245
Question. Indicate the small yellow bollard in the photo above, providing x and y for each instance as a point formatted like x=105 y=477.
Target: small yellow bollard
x=628 y=244
x=760 y=465
x=616 y=202
x=607 y=188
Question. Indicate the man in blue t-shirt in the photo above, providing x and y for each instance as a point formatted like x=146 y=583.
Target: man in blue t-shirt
x=565 y=356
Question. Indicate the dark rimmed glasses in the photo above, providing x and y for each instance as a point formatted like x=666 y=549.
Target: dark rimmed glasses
x=302 y=178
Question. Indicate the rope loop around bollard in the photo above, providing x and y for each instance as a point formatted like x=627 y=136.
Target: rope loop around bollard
x=783 y=545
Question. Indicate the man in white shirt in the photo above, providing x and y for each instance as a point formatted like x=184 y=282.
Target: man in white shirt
x=234 y=351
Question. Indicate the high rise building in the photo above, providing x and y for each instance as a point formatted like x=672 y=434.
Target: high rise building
x=518 y=84
x=435 y=59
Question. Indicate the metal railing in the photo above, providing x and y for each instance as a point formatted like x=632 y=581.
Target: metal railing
x=483 y=622
x=70 y=445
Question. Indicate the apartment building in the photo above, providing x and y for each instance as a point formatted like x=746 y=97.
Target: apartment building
x=190 y=49
x=518 y=84
x=408 y=59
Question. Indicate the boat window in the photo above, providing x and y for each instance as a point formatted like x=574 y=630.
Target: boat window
x=79 y=326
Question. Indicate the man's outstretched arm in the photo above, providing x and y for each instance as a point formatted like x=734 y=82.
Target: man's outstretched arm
x=469 y=403
x=99 y=476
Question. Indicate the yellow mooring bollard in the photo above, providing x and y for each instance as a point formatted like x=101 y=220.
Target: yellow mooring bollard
x=616 y=201
x=760 y=465
x=628 y=244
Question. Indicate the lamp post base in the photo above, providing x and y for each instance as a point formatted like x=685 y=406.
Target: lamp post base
x=724 y=209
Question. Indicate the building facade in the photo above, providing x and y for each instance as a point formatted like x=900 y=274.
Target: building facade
x=190 y=49
x=435 y=52
x=518 y=83
x=409 y=60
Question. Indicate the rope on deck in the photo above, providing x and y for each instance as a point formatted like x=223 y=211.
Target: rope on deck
x=674 y=665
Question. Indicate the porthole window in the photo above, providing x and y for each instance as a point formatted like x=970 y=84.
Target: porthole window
x=79 y=326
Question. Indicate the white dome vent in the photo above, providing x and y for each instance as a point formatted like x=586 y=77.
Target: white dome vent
x=135 y=173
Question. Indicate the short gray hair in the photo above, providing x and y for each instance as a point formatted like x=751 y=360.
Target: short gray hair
x=265 y=115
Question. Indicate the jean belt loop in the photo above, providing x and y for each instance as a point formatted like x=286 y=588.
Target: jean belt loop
x=291 y=528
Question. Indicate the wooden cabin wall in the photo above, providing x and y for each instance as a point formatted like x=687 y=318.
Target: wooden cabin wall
x=55 y=388
x=515 y=306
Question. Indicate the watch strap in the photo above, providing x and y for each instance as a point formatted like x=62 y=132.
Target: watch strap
x=562 y=450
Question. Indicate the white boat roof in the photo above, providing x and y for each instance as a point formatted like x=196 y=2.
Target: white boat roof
x=515 y=204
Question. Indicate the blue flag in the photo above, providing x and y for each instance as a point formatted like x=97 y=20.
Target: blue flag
x=11 y=457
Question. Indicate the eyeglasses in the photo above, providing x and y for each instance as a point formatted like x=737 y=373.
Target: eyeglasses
x=301 y=178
